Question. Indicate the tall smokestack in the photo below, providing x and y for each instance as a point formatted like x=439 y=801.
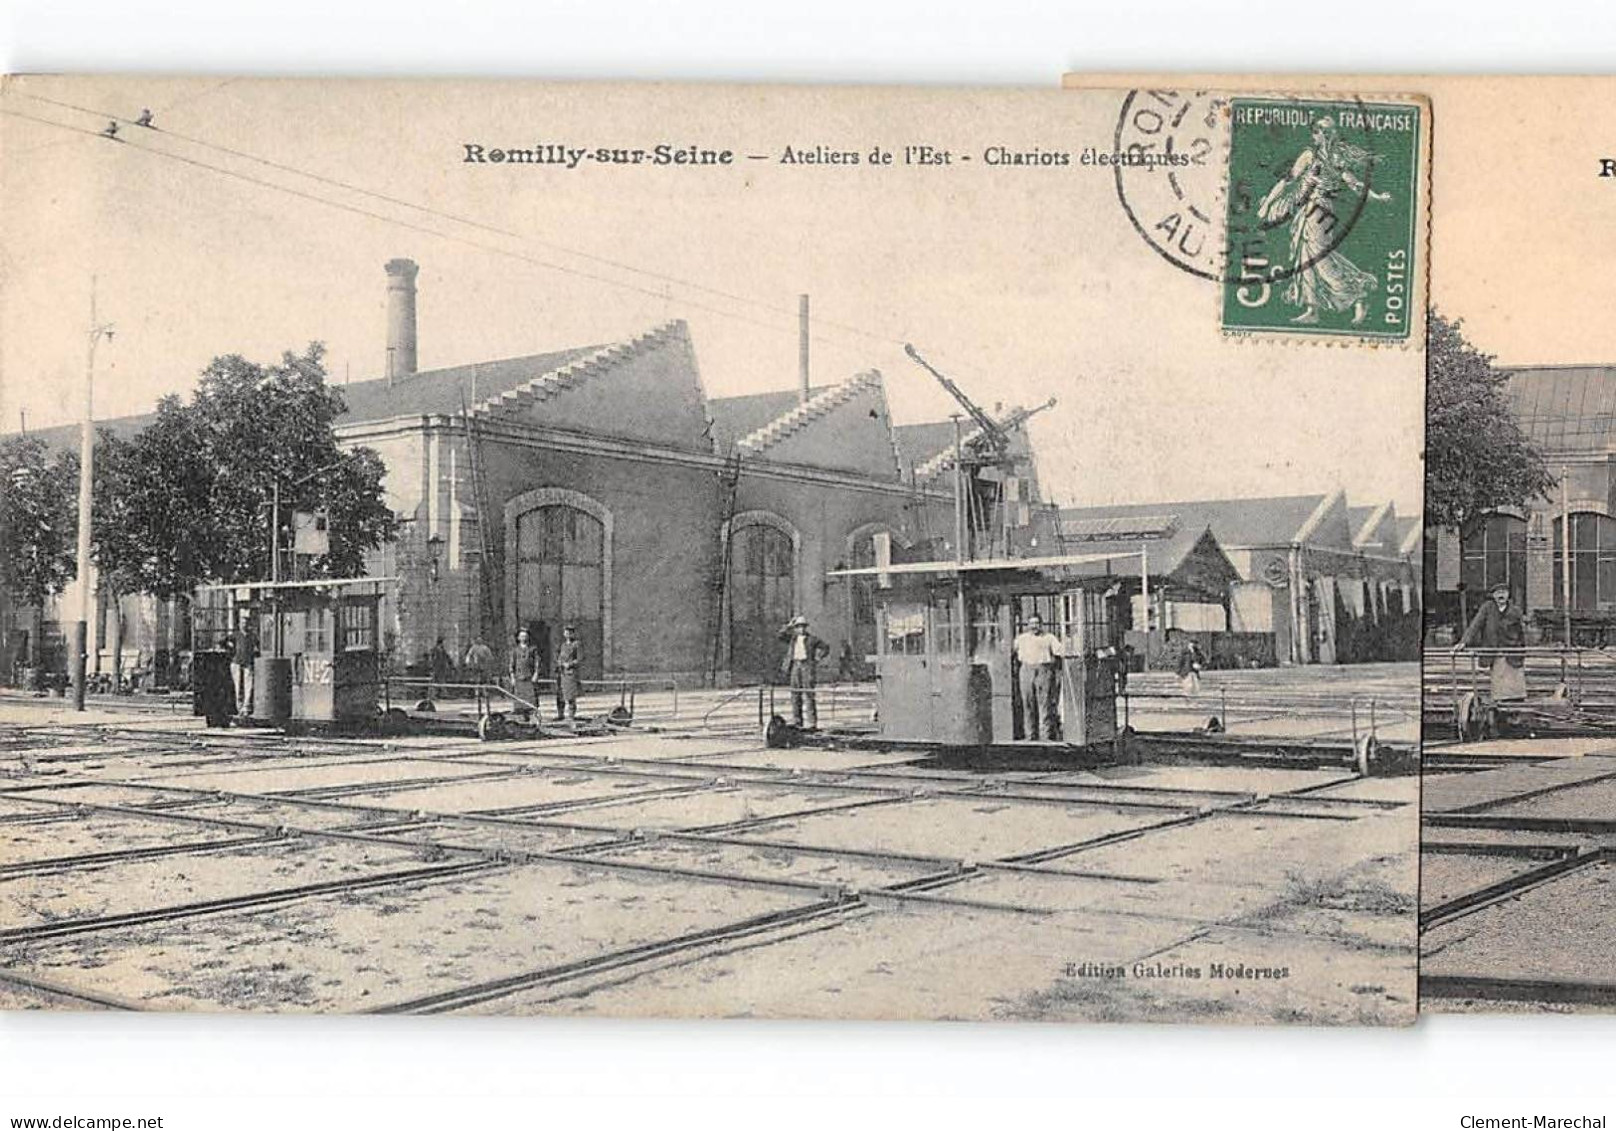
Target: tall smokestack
x=400 y=318
x=802 y=347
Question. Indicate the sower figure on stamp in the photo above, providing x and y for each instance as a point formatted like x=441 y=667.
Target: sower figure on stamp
x=1039 y=654
x=804 y=650
x=1498 y=624
x=1316 y=198
x=524 y=672
x=568 y=658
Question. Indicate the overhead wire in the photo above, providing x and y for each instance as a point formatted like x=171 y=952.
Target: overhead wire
x=357 y=210
x=458 y=219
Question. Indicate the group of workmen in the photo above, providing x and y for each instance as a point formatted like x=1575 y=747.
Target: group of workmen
x=1037 y=652
x=525 y=670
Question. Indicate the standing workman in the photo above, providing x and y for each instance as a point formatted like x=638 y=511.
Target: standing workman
x=245 y=653
x=479 y=663
x=526 y=660
x=441 y=669
x=569 y=659
x=804 y=650
x=1498 y=624
x=1039 y=655
x=1190 y=663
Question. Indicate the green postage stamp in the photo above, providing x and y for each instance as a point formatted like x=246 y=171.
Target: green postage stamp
x=1307 y=213
x=1320 y=217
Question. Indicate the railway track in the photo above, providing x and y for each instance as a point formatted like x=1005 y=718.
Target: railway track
x=1532 y=837
x=441 y=849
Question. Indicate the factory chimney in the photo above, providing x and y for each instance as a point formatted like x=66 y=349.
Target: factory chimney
x=802 y=348
x=400 y=318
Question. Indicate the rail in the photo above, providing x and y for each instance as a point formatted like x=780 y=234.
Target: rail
x=1358 y=715
x=646 y=699
x=1553 y=677
x=838 y=706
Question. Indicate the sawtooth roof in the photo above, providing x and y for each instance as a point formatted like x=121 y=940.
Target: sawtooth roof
x=736 y=417
x=1565 y=408
x=1271 y=521
x=440 y=391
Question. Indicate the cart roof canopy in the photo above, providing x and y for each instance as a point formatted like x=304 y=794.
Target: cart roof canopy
x=311 y=583
x=1188 y=561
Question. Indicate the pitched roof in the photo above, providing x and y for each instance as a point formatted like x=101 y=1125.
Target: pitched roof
x=1190 y=560
x=430 y=391
x=440 y=391
x=1357 y=516
x=64 y=436
x=1163 y=555
x=806 y=412
x=941 y=457
x=1409 y=532
x=917 y=443
x=1369 y=522
x=1565 y=408
x=1118 y=528
x=735 y=417
x=1276 y=520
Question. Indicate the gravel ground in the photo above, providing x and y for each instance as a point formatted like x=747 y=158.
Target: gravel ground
x=169 y=881
x=544 y=787
x=1333 y=898
x=369 y=948
x=310 y=774
x=1528 y=936
x=1596 y=799
x=1444 y=875
x=99 y=833
x=954 y=828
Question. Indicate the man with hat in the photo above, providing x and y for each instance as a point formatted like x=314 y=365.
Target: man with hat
x=526 y=661
x=804 y=650
x=1498 y=624
x=568 y=658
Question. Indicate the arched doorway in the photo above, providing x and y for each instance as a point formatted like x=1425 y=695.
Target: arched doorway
x=561 y=579
x=763 y=581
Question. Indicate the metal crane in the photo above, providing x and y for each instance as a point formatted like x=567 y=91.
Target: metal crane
x=991 y=442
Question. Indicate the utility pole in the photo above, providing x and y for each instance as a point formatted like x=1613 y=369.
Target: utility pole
x=1565 y=548
x=81 y=627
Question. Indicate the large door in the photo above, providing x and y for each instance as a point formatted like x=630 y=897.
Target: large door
x=561 y=579
x=762 y=584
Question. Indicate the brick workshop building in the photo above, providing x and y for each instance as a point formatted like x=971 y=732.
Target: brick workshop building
x=601 y=486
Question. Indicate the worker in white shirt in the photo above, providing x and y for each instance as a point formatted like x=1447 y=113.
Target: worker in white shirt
x=799 y=668
x=1039 y=655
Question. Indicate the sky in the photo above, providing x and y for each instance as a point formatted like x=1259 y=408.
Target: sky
x=1021 y=284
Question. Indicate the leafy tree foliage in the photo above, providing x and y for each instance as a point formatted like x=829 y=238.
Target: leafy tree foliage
x=188 y=499
x=1477 y=458
x=39 y=514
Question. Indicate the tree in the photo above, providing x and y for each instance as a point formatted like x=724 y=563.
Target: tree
x=1477 y=458
x=188 y=499
x=38 y=523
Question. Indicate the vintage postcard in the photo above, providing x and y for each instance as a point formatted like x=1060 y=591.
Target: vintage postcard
x=681 y=551
x=1520 y=726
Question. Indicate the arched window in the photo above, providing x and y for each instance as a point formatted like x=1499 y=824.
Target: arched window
x=1492 y=550
x=1593 y=561
x=762 y=594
